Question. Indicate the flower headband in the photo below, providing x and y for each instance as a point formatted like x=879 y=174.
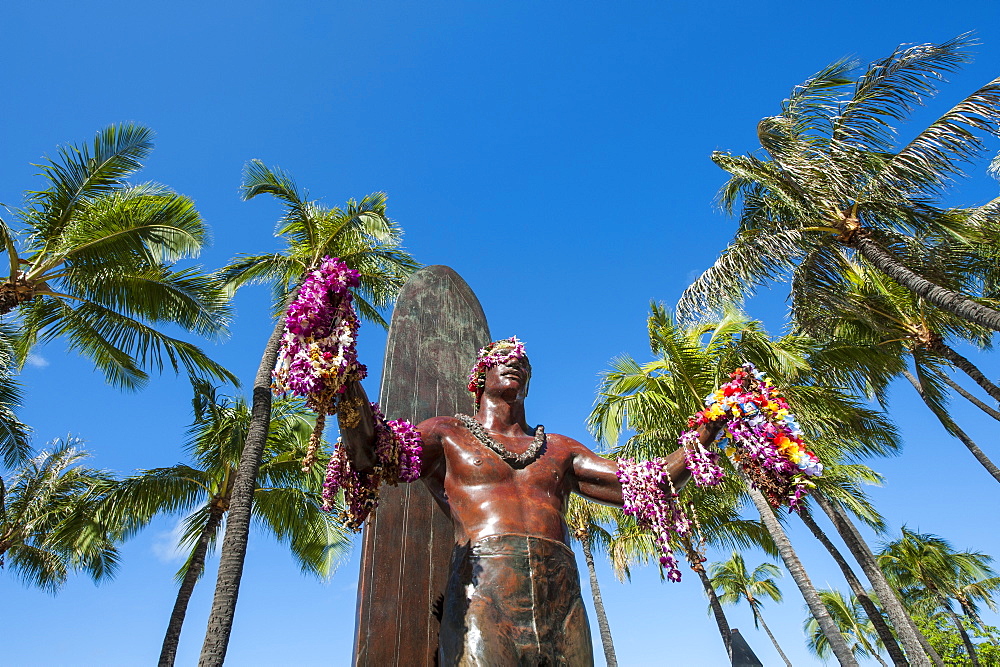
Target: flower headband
x=498 y=352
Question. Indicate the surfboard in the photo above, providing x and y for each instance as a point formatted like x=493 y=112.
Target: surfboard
x=437 y=327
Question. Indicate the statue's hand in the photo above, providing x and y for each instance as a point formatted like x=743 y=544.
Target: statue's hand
x=357 y=425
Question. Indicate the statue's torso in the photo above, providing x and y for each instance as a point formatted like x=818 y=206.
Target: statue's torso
x=486 y=496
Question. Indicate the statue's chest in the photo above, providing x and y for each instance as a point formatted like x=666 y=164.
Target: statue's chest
x=475 y=464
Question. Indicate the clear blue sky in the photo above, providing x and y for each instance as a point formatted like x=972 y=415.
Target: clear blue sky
x=554 y=154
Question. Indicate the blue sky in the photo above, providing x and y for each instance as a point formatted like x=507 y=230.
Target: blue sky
x=554 y=154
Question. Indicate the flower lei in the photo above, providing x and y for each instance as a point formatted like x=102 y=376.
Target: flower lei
x=765 y=441
x=317 y=359
x=397 y=454
x=654 y=510
x=498 y=352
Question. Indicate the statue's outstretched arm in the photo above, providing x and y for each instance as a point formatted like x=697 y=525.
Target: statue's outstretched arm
x=597 y=477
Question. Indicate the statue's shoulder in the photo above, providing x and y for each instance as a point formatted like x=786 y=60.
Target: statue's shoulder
x=438 y=424
x=567 y=443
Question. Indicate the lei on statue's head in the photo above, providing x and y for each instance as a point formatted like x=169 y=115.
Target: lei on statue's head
x=498 y=352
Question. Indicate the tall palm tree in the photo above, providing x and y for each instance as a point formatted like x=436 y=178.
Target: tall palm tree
x=859 y=306
x=735 y=584
x=925 y=567
x=914 y=642
x=363 y=236
x=14 y=434
x=287 y=501
x=584 y=519
x=655 y=399
x=843 y=481
x=855 y=626
x=93 y=260
x=831 y=176
x=47 y=524
x=851 y=300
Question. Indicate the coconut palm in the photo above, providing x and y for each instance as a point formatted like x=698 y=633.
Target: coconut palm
x=855 y=626
x=655 y=399
x=363 y=236
x=844 y=481
x=14 y=434
x=584 y=519
x=47 y=524
x=858 y=305
x=913 y=641
x=853 y=301
x=287 y=502
x=734 y=584
x=93 y=260
x=926 y=569
x=831 y=177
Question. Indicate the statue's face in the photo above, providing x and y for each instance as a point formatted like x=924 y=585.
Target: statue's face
x=515 y=373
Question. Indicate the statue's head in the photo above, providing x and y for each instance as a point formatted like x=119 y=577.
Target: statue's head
x=506 y=351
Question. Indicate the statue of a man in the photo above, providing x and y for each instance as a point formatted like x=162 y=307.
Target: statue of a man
x=513 y=596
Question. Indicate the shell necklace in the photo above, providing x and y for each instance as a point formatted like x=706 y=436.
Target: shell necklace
x=512 y=459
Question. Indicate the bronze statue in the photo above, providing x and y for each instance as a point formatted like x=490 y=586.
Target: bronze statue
x=513 y=596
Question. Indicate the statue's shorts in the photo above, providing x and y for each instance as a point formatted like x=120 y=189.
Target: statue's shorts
x=514 y=600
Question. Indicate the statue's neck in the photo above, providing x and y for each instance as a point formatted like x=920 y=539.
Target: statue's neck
x=502 y=416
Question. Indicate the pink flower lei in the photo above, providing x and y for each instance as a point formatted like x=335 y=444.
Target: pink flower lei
x=498 y=352
x=317 y=359
x=765 y=441
x=397 y=454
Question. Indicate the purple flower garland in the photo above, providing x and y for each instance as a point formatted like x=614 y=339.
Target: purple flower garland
x=766 y=443
x=317 y=359
x=765 y=439
x=654 y=510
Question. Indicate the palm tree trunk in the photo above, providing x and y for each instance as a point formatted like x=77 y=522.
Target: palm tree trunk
x=953 y=428
x=943 y=298
x=969 y=646
x=967 y=367
x=794 y=566
x=234 y=545
x=873 y=613
x=602 y=617
x=774 y=641
x=168 y=653
x=960 y=390
x=717 y=611
x=914 y=643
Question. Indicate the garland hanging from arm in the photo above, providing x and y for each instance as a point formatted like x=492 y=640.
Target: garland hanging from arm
x=764 y=440
x=318 y=358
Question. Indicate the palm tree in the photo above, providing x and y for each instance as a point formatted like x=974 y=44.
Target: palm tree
x=287 y=502
x=831 y=177
x=843 y=481
x=853 y=301
x=364 y=237
x=14 y=434
x=734 y=584
x=859 y=306
x=914 y=642
x=93 y=261
x=584 y=519
x=855 y=627
x=926 y=568
x=655 y=400
x=47 y=525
